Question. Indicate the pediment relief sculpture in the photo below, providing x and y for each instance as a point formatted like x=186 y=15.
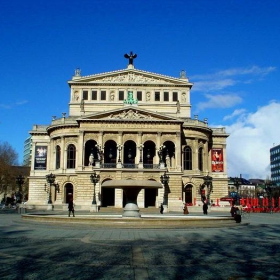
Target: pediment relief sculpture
x=130 y=114
x=131 y=78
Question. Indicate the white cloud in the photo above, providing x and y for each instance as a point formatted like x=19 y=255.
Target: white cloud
x=229 y=77
x=213 y=85
x=21 y=102
x=236 y=113
x=253 y=70
x=219 y=101
x=12 y=105
x=4 y=106
x=250 y=140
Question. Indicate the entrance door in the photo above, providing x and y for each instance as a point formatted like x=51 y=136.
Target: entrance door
x=150 y=197
x=108 y=197
x=68 y=192
x=188 y=194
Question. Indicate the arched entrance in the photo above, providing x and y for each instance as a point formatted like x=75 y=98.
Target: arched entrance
x=150 y=197
x=69 y=192
x=188 y=193
x=108 y=197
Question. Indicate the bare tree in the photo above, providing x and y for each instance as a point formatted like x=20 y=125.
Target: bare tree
x=8 y=158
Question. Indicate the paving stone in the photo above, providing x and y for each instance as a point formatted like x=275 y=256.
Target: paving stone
x=31 y=250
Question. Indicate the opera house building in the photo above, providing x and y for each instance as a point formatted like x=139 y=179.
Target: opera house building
x=127 y=127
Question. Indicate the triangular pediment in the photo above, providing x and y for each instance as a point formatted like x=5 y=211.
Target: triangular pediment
x=129 y=113
x=129 y=76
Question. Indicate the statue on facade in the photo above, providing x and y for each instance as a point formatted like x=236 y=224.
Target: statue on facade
x=82 y=105
x=160 y=153
x=99 y=152
x=91 y=160
x=178 y=106
x=130 y=100
x=167 y=160
x=130 y=57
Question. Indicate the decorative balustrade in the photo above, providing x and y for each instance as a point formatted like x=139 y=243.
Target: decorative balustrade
x=130 y=165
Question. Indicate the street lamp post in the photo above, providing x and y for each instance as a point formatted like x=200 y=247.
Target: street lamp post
x=94 y=179
x=141 y=146
x=164 y=180
x=50 y=179
x=20 y=182
x=208 y=183
x=119 y=149
x=237 y=183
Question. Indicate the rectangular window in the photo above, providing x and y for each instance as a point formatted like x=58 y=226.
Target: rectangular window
x=157 y=96
x=175 y=96
x=94 y=95
x=121 y=95
x=166 y=96
x=103 y=94
x=85 y=94
x=139 y=95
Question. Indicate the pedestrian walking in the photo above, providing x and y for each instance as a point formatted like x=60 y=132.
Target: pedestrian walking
x=71 y=208
x=237 y=216
x=161 y=208
x=233 y=210
x=205 y=208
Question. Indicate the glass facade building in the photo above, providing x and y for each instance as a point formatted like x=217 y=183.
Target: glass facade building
x=275 y=165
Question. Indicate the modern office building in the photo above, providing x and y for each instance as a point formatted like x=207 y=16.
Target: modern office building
x=27 y=150
x=130 y=125
x=275 y=165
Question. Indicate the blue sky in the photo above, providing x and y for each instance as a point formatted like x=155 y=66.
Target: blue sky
x=229 y=49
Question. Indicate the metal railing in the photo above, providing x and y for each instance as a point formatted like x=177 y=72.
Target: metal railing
x=129 y=165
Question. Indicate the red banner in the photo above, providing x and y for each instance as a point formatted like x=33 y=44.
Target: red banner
x=217 y=160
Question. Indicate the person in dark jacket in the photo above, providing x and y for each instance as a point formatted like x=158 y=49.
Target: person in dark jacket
x=71 y=208
x=205 y=208
x=161 y=208
x=232 y=210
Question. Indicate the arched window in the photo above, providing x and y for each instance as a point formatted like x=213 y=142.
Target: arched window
x=200 y=159
x=71 y=156
x=187 y=158
x=57 y=157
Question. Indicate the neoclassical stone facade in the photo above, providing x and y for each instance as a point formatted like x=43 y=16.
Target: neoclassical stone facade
x=127 y=124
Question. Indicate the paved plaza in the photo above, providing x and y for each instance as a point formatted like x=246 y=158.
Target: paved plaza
x=36 y=250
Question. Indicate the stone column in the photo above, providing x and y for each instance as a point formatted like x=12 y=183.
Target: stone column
x=141 y=199
x=195 y=155
x=157 y=146
x=52 y=158
x=119 y=198
x=178 y=152
x=206 y=161
x=80 y=150
x=63 y=154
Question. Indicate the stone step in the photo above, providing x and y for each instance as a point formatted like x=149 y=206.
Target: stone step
x=112 y=209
